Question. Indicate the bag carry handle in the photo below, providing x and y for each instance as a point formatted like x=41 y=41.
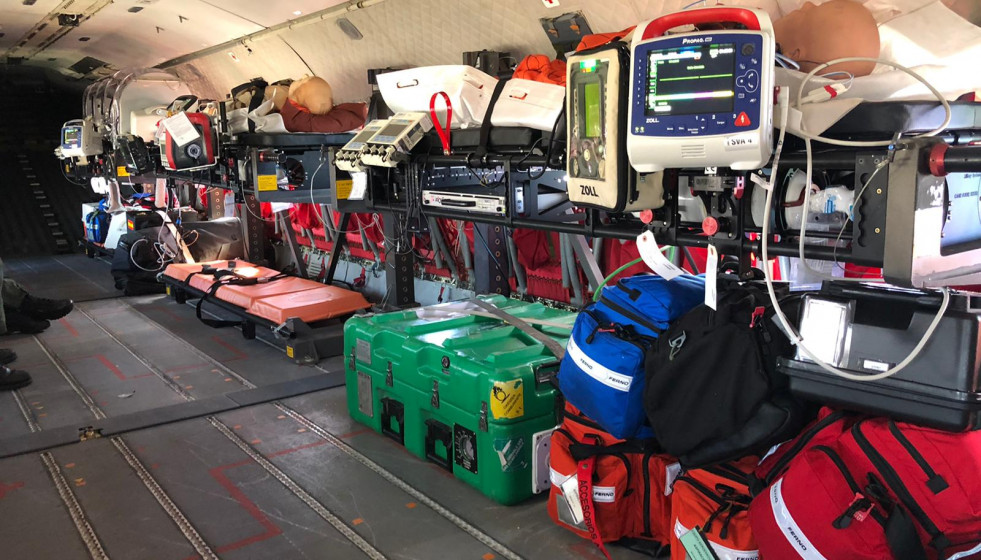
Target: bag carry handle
x=400 y=85
x=444 y=133
x=657 y=27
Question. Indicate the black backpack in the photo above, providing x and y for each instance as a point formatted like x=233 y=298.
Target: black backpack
x=713 y=391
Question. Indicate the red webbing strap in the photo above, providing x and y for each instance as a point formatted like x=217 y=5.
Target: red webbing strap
x=585 y=475
x=444 y=133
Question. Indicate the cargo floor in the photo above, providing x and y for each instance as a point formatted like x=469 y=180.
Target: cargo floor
x=293 y=477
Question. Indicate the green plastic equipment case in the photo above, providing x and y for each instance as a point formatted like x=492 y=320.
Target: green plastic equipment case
x=461 y=388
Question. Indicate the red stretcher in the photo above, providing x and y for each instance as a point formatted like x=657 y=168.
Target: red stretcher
x=307 y=313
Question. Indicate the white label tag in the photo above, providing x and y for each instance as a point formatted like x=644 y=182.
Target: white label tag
x=875 y=365
x=711 y=273
x=551 y=3
x=359 y=186
x=570 y=490
x=671 y=473
x=604 y=494
x=742 y=142
x=655 y=259
x=598 y=371
x=181 y=129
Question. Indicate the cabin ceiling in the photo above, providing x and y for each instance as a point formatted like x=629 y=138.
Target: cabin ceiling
x=131 y=33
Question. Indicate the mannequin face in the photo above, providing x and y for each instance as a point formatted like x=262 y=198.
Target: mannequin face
x=816 y=34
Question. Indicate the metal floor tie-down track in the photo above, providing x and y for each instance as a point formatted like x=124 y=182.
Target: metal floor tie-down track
x=291 y=478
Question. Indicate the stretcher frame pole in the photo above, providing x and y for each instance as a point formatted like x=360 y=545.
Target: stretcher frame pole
x=399 y=265
x=289 y=236
x=337 y=248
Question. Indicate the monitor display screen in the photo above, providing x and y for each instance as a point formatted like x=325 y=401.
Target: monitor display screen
x=364 y=135
x=592 y=106
x=691 y=80
x=393 y=129
x=71 y=135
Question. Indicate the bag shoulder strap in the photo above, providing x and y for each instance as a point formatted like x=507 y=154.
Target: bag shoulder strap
x=554 y=347
x=485 y=125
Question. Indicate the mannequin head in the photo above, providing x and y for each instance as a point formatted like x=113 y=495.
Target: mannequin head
x=312 y=93
x=813 y=35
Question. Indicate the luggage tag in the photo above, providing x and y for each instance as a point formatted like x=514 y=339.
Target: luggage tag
x=655 y=259
x=181 y=129
x=697 y=546
x=359 y=185
x=671 y=473
x=570 y=490
x=711 y=274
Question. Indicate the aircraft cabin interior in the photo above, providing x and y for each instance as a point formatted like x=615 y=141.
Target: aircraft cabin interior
x=490 y=280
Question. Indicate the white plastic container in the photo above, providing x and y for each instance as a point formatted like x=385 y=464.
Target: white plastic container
x=469 y=91
x=529 y=104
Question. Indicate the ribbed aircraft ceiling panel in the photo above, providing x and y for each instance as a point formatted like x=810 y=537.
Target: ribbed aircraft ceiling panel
x=268 y=13
x=406 y=33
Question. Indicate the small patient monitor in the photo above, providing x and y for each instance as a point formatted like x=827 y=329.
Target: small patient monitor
x=702 y=98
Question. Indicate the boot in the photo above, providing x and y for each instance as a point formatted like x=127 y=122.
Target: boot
x=46 y=309
x=7 y=356
x=11 y=379
x=18 y=321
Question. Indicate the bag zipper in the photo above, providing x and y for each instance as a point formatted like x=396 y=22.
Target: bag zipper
x=732 y=505
x=895 y=483
x=630 y=315
x=618 y=454
x=935 y=482
x=860 y=503
x=616 y=330
x=804 y=439
x=728 y=472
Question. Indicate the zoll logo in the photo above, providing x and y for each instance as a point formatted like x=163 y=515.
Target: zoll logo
x=589 y=191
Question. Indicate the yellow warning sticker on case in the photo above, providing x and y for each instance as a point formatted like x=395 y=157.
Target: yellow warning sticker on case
x=508 y=399
x=289 y=351
x=344 y=187
x=121 y=171
x=266 y=183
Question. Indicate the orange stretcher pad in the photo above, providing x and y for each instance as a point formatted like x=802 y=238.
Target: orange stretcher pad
x=277 y=300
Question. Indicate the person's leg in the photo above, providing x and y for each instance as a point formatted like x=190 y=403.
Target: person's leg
x=9 y=378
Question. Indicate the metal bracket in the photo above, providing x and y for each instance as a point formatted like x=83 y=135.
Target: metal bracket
x=483 y=416
x=388 y=376
x=88 y=432
x=434 y=401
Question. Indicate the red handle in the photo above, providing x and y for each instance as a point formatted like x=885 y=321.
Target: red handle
x=657 y=27
x=444 y=133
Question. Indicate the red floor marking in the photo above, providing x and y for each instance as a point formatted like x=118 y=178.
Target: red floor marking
x=116 y=371
x=355 y=433
x=170 y=314
x=239 y=355
x=4 y=488
x=271 y=529
x=68 y=326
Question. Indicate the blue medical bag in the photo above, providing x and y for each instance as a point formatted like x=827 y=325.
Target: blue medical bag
x=97 y=224
x=602 y=373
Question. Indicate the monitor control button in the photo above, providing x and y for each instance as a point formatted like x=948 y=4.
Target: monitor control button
x=749 y=49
